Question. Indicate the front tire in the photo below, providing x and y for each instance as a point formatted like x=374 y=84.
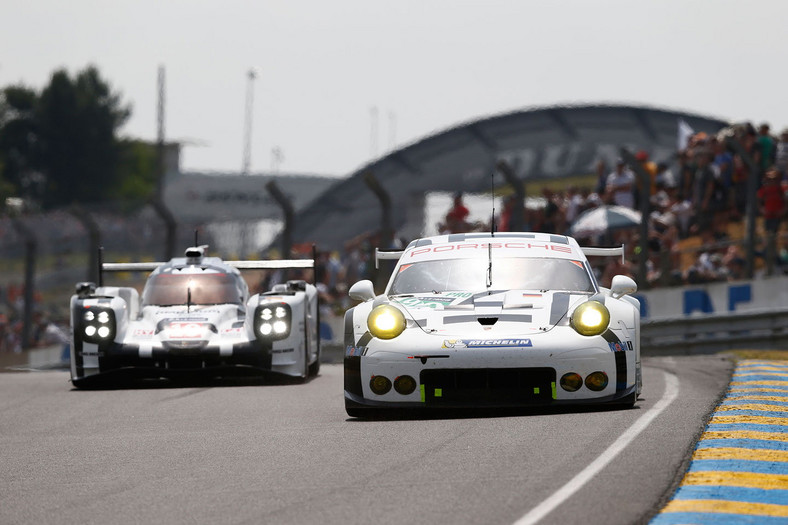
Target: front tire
x=314 y=368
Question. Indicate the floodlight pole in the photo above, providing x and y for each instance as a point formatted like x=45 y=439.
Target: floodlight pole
x=247 y=160
x=161 y=209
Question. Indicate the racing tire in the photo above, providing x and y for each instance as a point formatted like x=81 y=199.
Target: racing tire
x=314 y=368
x=304 y=377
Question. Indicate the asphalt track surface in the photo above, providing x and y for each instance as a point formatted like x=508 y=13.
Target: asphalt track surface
x=277 y=452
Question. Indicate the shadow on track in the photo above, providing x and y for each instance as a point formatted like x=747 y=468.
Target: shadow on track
x=417 y=414
x=132 y=380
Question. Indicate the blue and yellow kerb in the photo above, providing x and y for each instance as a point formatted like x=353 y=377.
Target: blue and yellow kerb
x=739 y=471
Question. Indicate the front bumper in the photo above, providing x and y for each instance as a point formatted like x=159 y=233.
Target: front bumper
x=89 y=361
x=525 y=373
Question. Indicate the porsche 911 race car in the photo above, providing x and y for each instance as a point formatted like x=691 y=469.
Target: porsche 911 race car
x=195 y=315
x=476 y=320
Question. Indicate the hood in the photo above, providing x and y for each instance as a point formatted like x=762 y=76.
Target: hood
x=199 y=322
x=506 y=313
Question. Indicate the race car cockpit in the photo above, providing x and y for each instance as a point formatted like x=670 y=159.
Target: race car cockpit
x=169 y=289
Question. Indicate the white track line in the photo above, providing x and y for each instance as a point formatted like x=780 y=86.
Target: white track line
x=576 y=483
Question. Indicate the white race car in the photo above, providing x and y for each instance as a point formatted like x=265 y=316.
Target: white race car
x=195 y=315
x=476 y=320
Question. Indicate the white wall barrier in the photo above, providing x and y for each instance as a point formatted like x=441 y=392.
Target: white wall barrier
x=767 y=293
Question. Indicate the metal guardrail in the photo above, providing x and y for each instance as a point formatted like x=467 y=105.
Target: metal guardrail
x=714 y=333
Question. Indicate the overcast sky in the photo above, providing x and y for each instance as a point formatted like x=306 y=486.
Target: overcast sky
x=425 y=65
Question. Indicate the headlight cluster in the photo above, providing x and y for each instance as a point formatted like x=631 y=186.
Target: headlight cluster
x=272 y=321
x=386 y=322
x=98 y=325
x=596 y=381
x=590 y=318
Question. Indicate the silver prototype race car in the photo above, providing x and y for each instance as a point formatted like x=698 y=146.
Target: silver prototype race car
x=476 y=320
x=195 y=315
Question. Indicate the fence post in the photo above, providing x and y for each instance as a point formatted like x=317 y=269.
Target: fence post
x=287 y=209
x=666 y=268
x=30 y=267
x=752 y=190
x=518 y=211
x=386 y=233
x=170 y=226
x=645 y=212
x=771 y=252
x=94 y=240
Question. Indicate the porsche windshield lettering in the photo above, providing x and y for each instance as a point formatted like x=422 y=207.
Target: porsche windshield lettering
x=441 y=248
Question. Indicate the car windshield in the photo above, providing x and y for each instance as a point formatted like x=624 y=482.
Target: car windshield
x=507 y=274
x=167 y=289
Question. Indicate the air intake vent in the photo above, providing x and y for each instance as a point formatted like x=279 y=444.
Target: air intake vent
x=195 y=253
x=487 y=321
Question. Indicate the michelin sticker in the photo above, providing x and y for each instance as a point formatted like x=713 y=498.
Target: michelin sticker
x=486 y=343
x=354 y=351
x=622 y=346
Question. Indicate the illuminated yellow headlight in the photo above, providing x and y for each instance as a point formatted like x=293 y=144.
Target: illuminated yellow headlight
x=385 y=322
x=590 y=318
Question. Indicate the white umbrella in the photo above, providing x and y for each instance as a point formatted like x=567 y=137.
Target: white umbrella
x=603 y=219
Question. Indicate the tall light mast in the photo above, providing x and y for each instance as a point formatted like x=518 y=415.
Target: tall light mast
x=247 y=160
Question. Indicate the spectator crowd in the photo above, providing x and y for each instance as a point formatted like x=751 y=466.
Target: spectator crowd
x=698 y=203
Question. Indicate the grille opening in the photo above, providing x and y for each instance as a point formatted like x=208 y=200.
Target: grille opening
x=487 y=321
x=488 y=386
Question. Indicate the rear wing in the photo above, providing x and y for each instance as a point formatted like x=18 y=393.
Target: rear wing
x=605 y=252
x=280 y=264
x=379 y=255
x=241 y=265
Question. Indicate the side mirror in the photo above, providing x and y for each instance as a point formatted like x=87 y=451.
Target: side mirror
x=622 y=285
x=362 y=291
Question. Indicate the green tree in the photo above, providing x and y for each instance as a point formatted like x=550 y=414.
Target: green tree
x=77 y=147
x=19 y=169
x=60 y=146
x=137 y=171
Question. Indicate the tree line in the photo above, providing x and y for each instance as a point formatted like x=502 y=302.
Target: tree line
x=59 y=146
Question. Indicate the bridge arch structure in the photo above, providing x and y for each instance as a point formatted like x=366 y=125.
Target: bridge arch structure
x=542 y=143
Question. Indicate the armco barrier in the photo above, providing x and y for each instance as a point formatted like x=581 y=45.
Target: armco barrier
x=714 y=333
